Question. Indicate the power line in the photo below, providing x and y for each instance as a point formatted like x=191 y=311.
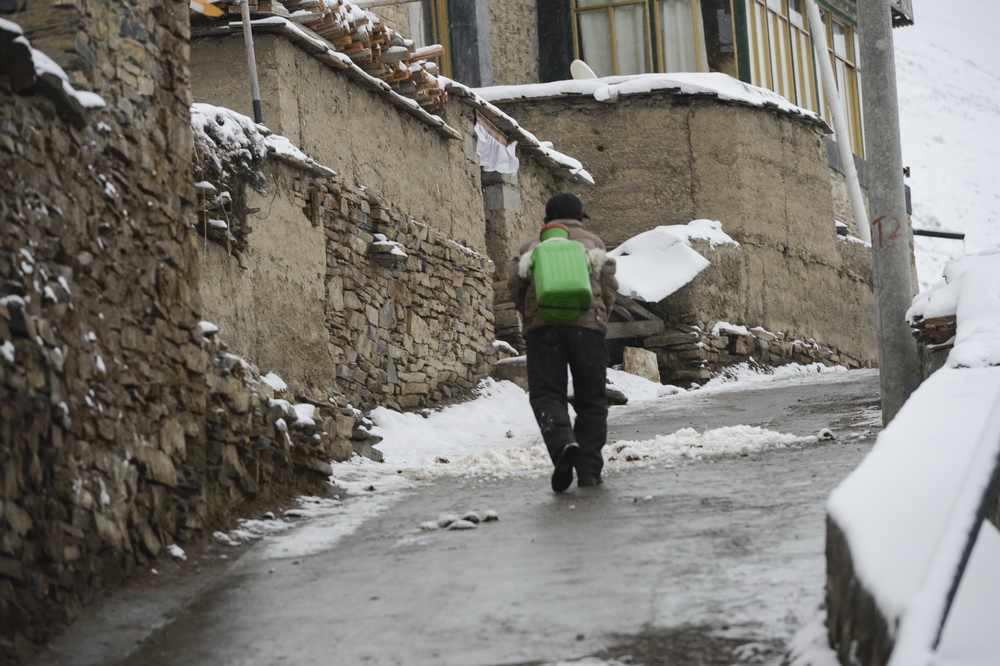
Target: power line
x=924 y=17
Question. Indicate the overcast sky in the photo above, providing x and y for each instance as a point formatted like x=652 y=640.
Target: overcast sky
x=967 y=28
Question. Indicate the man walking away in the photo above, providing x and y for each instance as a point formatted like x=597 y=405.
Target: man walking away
x=580 y=344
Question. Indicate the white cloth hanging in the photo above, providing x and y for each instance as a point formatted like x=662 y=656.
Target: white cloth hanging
x=496 y=151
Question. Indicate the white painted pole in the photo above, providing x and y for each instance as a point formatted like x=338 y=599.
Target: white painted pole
x=258 y=112
x=839 y=114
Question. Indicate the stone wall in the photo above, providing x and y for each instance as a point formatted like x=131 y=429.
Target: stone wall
x=514 y=41
x=344 y=296
x=124 y=425
x=663 y=158
x=105 y=376
x=350 y=129
x=694 y=354
x=404 y=329
x=411 y=320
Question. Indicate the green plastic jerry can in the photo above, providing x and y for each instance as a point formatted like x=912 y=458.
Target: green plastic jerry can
x=561 y=273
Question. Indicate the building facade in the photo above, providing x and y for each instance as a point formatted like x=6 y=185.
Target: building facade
x=766 y=43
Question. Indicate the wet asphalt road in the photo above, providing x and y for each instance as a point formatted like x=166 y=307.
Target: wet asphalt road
x=712 y=562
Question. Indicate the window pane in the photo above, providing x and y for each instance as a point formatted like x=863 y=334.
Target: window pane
x=630 y=40
x=595 y=41
x=839 y=39
x=680 y=50
x=802 y=64
x=720 y=42
x=593 y=3
x=761 y=48
x=776 y=5
x=797 y=13
x=778 y=34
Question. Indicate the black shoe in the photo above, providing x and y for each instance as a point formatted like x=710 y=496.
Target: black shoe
x=589 y=481
x=562 y=476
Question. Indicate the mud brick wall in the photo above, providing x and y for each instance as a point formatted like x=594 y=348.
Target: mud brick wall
x=762 y=174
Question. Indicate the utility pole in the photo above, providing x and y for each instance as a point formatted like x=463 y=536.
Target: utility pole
x=258 y=112
x=892 y=238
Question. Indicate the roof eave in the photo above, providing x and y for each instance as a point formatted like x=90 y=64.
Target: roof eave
x=902 y=13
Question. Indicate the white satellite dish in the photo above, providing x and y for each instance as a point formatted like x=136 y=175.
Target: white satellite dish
x=581 y=70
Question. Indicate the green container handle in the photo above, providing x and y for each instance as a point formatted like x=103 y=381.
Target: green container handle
x=553 y=230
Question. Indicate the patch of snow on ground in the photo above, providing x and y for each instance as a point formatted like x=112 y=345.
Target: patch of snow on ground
x=495 y=436
x=737 y=377
x=810 y=646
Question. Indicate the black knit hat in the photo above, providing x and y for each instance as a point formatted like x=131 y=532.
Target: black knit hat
x=564 y=206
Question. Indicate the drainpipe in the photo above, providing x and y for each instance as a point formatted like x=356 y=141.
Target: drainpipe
x=841 y=131
x=258 y=112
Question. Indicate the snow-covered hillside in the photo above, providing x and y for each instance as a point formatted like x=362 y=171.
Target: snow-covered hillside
x=949 y=111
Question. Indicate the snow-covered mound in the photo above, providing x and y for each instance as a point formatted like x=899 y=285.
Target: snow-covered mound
x=947 y=107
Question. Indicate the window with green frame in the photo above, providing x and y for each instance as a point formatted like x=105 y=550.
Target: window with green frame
x=764 y=42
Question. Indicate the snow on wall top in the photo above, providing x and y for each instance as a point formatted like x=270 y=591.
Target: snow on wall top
x=656 y=263
x=527 y=141
x=317 y=46
x=971 y=292
x=45 y=65
x=611 y=88
x=233 y=142
x=908 y=510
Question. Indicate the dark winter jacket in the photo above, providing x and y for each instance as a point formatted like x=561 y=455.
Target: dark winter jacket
x=603 y=282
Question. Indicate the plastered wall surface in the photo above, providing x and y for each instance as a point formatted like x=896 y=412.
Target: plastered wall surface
x=349 y=129
x=663 y=159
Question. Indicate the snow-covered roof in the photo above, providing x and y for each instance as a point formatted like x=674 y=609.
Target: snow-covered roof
x=612 y=88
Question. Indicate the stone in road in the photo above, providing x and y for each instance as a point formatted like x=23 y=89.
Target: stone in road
x=713 y=562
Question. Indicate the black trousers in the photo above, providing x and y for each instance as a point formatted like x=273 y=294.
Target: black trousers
x=550 y=350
